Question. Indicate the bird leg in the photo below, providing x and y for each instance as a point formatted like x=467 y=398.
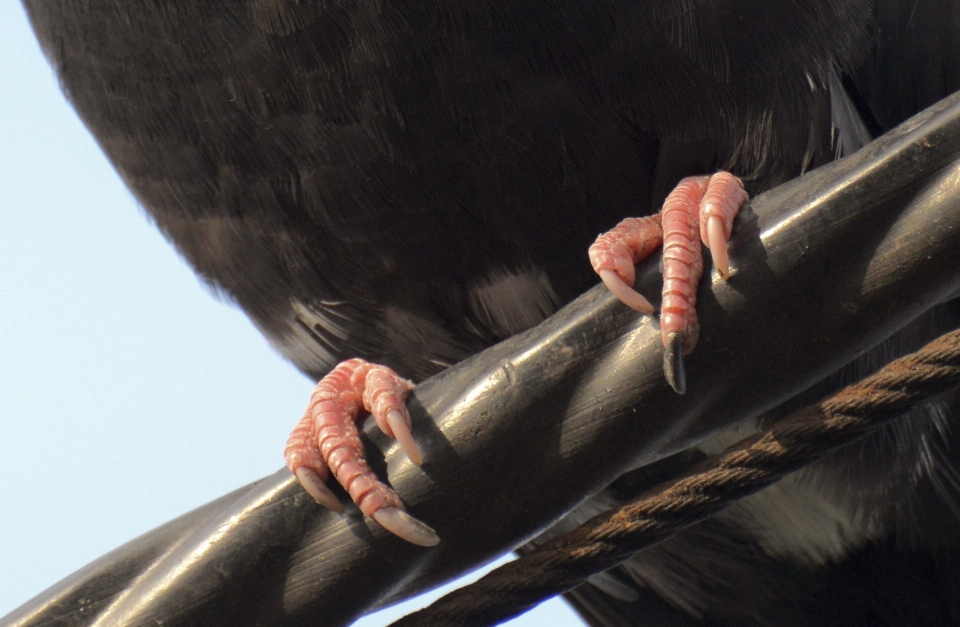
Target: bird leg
x=704 y=204
x=327 y=439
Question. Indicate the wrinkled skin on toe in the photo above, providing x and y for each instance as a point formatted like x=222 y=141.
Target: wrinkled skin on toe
x=327 y=441
x=699 y=209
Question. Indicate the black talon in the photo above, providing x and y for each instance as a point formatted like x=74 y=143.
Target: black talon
x=673 y=368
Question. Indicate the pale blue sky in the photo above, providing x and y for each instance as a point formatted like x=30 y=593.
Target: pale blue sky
x=128 y=395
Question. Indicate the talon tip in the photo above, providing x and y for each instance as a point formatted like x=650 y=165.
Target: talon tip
x=401 y=432
x=315 y=487
x=405 y=526
x=625 y=293
x=717 y=243
x=673 y=368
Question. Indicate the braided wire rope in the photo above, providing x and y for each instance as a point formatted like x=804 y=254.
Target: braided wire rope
x=742 y=469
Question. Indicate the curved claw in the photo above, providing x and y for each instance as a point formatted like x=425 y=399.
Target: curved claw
x=717 y=242
x=673 y=368
x=405 y=526
x=316 y=488
x=626 y=294
x=401 y=431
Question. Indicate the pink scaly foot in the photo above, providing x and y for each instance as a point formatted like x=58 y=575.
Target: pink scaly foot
x=704 y=205
x=327 y=439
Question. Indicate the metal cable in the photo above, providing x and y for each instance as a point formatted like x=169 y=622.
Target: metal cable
x=750 y=465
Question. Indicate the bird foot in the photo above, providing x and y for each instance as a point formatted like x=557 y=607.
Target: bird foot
x=327 y=440
x=702 y=205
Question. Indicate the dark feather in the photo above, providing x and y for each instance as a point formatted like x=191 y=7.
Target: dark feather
x=410 y=183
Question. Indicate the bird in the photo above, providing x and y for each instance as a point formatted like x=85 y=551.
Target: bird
x=409 y=183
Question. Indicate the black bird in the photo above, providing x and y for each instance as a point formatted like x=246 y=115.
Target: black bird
x=409 y=183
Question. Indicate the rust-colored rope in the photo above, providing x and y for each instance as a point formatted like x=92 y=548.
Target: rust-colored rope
x=742 y=469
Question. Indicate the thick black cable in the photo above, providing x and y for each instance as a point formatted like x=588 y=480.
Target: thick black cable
x=751 y=465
